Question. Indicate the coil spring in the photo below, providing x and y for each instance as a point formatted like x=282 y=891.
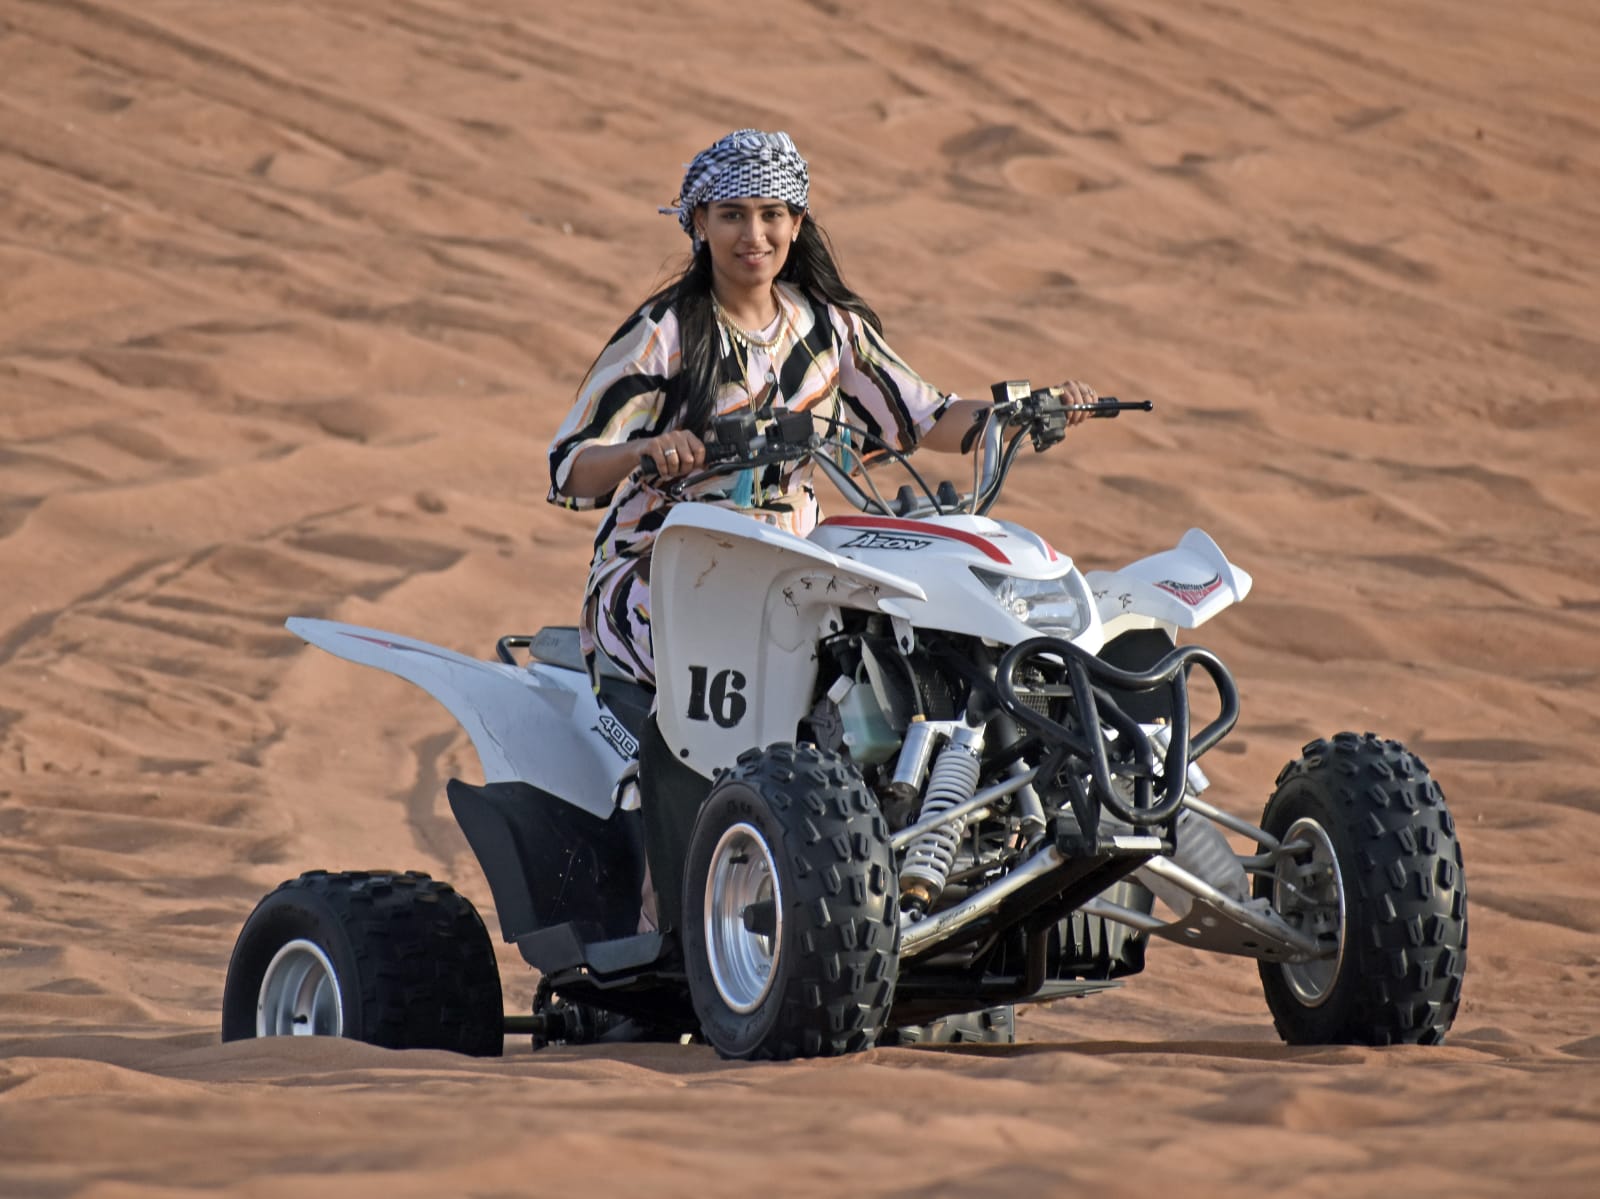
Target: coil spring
x=953 y=780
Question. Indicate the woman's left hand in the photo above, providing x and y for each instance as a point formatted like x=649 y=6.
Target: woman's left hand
x=1073 y=392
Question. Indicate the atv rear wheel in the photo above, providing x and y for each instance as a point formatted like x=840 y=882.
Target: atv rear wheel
x=1380 y=881
x=791 y=917
x=397 y=960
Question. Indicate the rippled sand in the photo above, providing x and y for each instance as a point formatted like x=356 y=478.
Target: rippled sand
x=294 y=295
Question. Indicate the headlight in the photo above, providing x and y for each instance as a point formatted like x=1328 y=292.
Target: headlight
x=1051 y=607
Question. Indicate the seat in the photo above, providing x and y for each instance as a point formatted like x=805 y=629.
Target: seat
x=627 y=698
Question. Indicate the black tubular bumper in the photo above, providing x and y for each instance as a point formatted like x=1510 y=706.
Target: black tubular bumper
x=1045 y=677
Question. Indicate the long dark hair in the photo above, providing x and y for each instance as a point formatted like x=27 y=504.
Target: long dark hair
x=810 y=267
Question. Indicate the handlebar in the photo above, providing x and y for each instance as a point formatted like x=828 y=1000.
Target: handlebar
x=735 y=444
x=1044 y=409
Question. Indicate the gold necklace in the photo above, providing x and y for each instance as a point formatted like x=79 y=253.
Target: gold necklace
x=742 y=335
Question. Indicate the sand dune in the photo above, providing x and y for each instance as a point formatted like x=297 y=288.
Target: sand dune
x=295 y=295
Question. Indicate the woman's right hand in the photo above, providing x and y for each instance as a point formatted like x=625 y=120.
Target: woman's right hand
x=676 y=452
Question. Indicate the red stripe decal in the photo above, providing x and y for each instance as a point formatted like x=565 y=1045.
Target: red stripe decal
x=386 y=644
x=921 y=528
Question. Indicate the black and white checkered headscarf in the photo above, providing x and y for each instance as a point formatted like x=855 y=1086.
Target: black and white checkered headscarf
x=746 y=163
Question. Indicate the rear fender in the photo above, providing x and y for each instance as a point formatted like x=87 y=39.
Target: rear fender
x=1180 y=588
x=538 y=723
x=550 y=863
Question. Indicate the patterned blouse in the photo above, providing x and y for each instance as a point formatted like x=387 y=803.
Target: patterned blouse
x=827 y=361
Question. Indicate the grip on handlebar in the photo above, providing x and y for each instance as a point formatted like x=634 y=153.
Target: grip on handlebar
x=1109 y=406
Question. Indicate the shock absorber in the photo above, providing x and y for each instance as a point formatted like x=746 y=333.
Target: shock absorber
x=953 y=780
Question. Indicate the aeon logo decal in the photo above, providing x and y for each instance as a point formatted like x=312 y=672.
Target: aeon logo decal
x=1191 y=593
x=887 y=541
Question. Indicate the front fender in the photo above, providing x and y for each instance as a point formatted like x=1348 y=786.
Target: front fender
x=1180 y=588
x=737 y=607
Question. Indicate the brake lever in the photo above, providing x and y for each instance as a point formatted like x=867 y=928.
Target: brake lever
x=650 y=473
x=1049 y=424
x=674 y=488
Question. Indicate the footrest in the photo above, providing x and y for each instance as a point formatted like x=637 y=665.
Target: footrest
x=581 y=943
x=559 y=947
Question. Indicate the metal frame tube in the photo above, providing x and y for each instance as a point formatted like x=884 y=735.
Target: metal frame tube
x=962 y=810
x=924 y=934
x=1132 y=917
x=1229 y=821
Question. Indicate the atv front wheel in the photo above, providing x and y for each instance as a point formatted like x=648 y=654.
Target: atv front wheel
x=1379 y=881
x=791 y=915
x=397 y=960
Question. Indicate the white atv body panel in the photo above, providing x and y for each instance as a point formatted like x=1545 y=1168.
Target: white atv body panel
x=737 y=607
x=1180 y=588
x=537 y=723
x=939 y=553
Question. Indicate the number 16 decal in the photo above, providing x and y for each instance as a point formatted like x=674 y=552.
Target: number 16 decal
x=726 y=704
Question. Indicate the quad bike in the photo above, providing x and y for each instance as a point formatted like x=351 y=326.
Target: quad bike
x=897 y=777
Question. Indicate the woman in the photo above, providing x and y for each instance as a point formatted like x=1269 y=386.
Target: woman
x=758 y=319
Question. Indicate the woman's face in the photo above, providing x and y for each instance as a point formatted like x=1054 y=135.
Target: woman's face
x=749 y=239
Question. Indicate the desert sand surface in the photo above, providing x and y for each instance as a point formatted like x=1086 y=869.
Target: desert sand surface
x=294 y=293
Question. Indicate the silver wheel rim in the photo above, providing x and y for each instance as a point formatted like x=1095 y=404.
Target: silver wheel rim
x=743 y=962
x=1309 y=893
x=299 y=994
